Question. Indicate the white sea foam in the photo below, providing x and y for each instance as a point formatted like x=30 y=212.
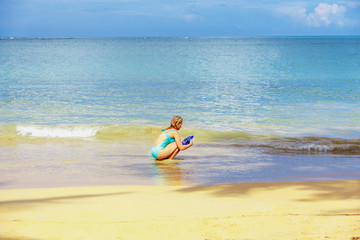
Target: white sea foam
x=315 y=147
x=57 y=131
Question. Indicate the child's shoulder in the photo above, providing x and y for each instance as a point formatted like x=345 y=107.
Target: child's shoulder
x=173 y=132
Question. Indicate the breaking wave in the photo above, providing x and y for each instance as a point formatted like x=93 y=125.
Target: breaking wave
x=12 y=133
x=57 y=131
x=307 y=145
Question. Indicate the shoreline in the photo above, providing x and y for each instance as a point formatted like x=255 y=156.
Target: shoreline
x=258 y=210
x=91 y=163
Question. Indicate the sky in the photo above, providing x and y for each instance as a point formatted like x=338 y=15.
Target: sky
x=117 y=18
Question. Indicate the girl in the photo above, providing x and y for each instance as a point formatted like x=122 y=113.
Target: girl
x=168 y=144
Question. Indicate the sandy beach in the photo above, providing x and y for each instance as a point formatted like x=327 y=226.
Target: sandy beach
x=279 y=210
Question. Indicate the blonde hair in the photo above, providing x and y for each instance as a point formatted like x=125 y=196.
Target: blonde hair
x=175 y=122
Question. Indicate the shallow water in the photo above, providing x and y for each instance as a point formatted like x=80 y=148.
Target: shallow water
x=82 y=163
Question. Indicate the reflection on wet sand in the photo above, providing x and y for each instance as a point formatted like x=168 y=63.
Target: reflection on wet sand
x=167 y=172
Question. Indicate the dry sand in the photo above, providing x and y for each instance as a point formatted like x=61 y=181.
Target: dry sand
x=285 y=210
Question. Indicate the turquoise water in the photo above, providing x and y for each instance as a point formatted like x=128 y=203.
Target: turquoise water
x=306 y=85
x=282 y=94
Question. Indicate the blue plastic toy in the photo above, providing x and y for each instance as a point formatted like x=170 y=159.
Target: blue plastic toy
x=187 y=140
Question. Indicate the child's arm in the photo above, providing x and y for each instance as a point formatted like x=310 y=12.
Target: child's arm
x=179 y=143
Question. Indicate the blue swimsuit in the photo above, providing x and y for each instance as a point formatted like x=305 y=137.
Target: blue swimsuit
x=155 y=150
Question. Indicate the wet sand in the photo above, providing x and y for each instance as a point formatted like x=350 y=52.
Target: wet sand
x=276 y=210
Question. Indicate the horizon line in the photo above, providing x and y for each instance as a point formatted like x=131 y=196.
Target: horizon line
x=164 y=36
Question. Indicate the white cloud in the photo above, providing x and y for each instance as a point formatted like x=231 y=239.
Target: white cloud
x=323 y=14
x=351 y=4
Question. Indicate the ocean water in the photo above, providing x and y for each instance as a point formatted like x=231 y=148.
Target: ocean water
x=86 y=111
